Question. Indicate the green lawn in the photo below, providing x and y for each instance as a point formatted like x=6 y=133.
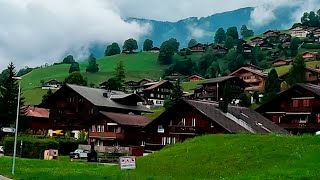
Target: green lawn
x=207 y=157
x=189 y=86
x=156 y=112
x=284 y=69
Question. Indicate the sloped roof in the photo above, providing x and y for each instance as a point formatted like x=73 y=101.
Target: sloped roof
x=245 y=119
x=31 y=111
x=195 y=75
x=218 y=79
x=311 y=87
x=127 y=119
x=156 y=85
x=250 y=70
x=95 y=96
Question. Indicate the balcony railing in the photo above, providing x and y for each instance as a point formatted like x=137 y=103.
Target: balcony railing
x=106 y=135
x=300 y=125
x=187 y=130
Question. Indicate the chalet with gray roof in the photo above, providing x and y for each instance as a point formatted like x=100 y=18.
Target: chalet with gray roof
x=190 y=118
x=72 y=105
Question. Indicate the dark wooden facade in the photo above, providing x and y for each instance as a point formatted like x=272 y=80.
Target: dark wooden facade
x=157 y=93
x=198 y=48
x=190 y=118
x=296 y=109
x=212 y=89
x=281 y=62
x=71 y=106
x=114 y=129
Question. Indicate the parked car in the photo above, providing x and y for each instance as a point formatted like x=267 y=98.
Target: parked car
x=79 y=154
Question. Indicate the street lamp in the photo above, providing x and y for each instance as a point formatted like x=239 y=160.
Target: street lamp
x=16 y=130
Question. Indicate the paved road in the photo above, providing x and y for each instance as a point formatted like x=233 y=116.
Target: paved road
x=4 y=178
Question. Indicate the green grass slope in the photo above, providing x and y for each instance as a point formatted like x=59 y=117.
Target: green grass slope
x=285 y=69
x=207 y=157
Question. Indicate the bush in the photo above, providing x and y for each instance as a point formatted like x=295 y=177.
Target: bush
x=67 y=146
x=31 y=147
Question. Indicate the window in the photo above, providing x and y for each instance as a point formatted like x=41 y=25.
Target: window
x=98 y=128
x=102 y=128
x=303 y=119
x=80 y=100
x=151 y=95
x=91 y=111
x=183 y=121
x=160 y=129
x=211 y=125
x=306 y=103
x=143 y=143
x=170 y=122
x=162 y=96
x=168 y=140
x=118 y=130
x=295 y=103
x=193 y=122
x=163 y=140
x=173 y=140
x=93 y=128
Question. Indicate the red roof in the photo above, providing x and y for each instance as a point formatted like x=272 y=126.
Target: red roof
x=250 y=70
x=127 y=119
x=196 y=76
x=32 y=111
x=157 y=84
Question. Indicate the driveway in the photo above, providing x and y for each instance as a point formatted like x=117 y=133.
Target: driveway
x=4 y=178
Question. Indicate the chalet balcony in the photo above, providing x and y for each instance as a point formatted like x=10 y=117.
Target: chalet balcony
x=298 y=109
x=187 y=130
x=106 y=135
x=300 y=125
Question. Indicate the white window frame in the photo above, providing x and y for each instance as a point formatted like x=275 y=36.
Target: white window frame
x=160 y=129
x=193 y=122
x=98 y=128
x=118 y=130
x=163 y=141
x=93 y=128
x=304 y=120
x=151 y=95
x=102 y=128
x=173 y=140
x=183 y=121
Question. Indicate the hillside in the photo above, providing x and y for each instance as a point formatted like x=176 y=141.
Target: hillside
x=238 y=157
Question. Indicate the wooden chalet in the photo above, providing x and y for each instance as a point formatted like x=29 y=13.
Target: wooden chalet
x=256 y=41
x=284 y=37
x=247 y=48
x=299 y=31
x=212 y=89
x=154 y=49
x=137 y=86
x=34 y=118
x=310 y=55
x=217 y=49
x=296 y=109
x=190 y=118
x=52 y=84
x=198 y=48
x=271 y=33
x=266 y=46
x=312 y=75
x=71 y=106
x=281 y=62
x=195 y=77
x=116 y=129
x=174 y=76
x=254 y=77
x=157 y=93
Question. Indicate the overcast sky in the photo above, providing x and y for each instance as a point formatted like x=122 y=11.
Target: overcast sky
x=37 y=31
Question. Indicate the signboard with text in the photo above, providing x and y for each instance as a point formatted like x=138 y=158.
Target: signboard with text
x=127 y=162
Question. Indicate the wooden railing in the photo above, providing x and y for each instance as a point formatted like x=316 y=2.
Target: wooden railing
x=187 y=129
x=107 y=135
x=300 y=125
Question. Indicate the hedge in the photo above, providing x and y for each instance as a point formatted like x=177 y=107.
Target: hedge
x=31 y=147
x=311 y=46
x=34 y=147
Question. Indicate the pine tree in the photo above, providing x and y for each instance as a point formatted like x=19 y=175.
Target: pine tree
x=220 y=36
x=92 y=66
x=8 y=102
x=74 y=67
x=272 y=85
x=120 y=75
x=175 y=96
x=297 y=73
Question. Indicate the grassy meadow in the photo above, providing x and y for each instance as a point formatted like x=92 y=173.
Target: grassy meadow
x=208 y=157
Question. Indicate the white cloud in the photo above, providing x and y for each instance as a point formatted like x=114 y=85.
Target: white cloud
x=36 y=31
x=195 y=32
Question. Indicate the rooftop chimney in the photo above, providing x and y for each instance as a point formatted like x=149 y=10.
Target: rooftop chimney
x=105 y=94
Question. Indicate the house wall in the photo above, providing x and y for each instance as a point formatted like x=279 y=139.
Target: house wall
x=280 y=63
x=252 y=79
x=157 y=95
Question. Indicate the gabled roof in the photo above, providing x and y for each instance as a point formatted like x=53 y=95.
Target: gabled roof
x=287 y=60
x=256 y=38
x=250 y=70
x=237 y=120
x=274 y=31
x=97 y=98
x=253 y=66
x=195 y=75
x=31 y=111
x=218 y=79
x=127 y=119
x=157 y=85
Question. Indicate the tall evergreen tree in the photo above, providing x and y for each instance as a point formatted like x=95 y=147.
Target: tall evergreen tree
x=220 y=36
x=74 y=67
x=120 y=75
x=245 y=32
x=9 y=99
x=92 y=66
x=175 y=96
x=272 y=85
x=147 y=45
x=229 y=44
x=297 y=73
x=47 y=95
x=294 y=46
x=68 y=60
x=233 y=32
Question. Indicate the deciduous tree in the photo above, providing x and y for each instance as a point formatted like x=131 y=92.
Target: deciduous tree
x=297 y=73
x=112 y=49
x=74 y=67
x=147 y=45
x=76 y=78
x=92 y=64
x=233 y=32
x=130 y=45
x=220 y=36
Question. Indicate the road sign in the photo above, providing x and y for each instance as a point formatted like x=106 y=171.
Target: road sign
x=8 y=130
x=127 y=162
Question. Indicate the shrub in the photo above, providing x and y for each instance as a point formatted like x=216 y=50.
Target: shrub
x=31 y=147
x=311 y=46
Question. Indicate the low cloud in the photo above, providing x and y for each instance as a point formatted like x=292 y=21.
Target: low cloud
x=195 y=32
x=35 y=31
x=265 y=13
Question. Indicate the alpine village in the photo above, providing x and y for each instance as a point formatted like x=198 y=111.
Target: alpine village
x=173 y=107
